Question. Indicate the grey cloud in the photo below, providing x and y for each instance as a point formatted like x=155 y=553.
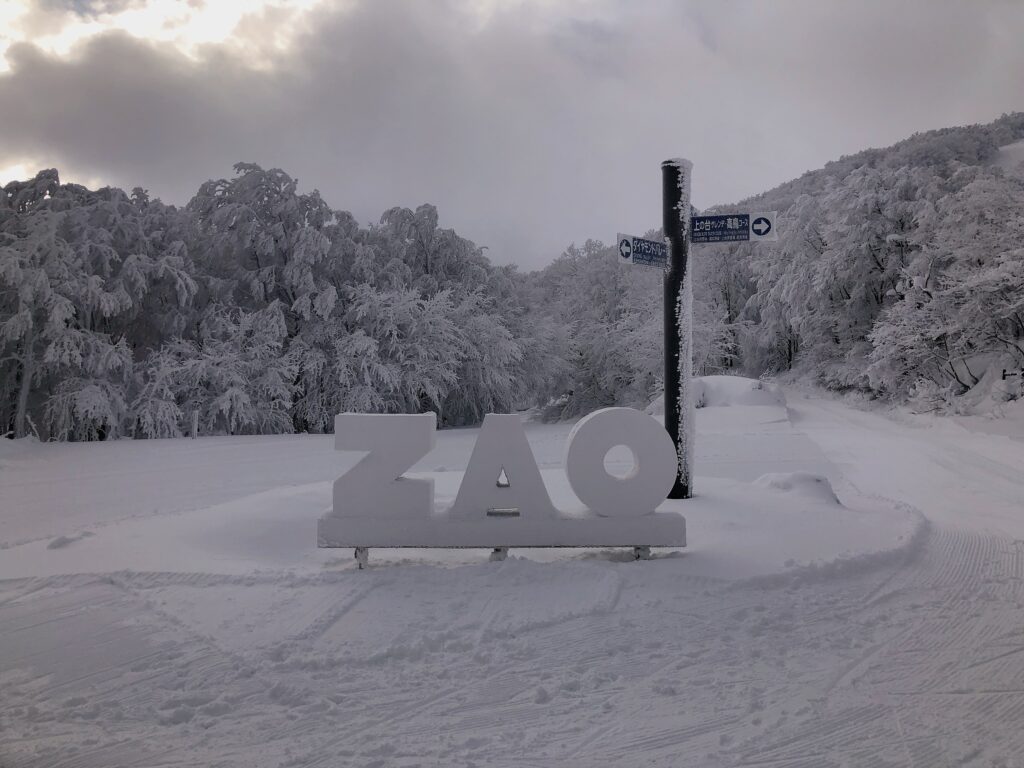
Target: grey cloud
x=89 y=7
x=528 y=135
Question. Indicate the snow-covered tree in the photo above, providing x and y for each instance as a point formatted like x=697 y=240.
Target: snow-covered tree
x=897 y=271
x=263 y=241
x=963 y=301
x=236 y=374
x=37 y=275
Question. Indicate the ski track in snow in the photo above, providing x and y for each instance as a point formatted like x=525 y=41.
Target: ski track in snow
x=927 y=670
x=915 y=658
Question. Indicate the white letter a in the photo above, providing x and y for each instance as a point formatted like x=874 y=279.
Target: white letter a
x=502 y=447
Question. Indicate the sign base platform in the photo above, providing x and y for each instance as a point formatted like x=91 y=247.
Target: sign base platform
x=658 y=529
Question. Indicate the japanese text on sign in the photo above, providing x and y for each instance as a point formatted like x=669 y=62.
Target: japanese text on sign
x=641 y=252
x=720 y=229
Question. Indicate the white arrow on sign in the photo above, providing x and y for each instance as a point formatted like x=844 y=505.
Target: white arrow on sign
x=640 y=252
x=762 y=226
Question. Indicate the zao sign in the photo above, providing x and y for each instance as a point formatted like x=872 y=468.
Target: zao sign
x=502 y=501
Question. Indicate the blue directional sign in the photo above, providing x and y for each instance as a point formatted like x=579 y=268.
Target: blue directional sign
x=641 y=252
x=733 y=228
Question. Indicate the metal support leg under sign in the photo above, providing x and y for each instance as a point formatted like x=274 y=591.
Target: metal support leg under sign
x=362 y=555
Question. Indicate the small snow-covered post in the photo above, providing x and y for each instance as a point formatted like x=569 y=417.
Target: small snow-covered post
x=195 y=424
x=679 y=407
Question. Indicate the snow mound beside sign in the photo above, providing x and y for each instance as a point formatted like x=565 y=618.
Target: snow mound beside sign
x=802 y=483
x=737 y=529
x=762 y=504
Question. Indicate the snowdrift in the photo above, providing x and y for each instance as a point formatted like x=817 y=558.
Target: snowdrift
x=799 y=483
x=722 y=391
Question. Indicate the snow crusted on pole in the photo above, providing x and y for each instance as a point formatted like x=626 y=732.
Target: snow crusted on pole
x=687 y=411
x=679 y=404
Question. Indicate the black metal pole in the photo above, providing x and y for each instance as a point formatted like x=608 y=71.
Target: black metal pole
x=675 y=175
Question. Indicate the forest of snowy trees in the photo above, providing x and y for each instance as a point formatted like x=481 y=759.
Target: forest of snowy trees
x=898 y=272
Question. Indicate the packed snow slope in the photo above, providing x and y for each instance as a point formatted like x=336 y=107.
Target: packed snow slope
x=162 y=602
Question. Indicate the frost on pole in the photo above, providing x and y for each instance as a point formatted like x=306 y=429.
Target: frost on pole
x=684 y=321
x=687 y=413
x=679 y=419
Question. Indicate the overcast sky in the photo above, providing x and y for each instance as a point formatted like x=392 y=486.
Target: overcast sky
x=531 y=124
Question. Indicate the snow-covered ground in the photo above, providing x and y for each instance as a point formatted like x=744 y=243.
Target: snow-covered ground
x=163 y=602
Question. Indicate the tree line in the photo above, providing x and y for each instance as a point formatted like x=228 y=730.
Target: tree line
x=898 y=272
x=255 y=305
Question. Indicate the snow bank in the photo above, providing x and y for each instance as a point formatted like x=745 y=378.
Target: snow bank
x=989 y=397
x=738 y=528
x=739 y=531
x=718 y=391
x=1006 y=419
x=800 y=483
x=906 y=549
x=12 y=449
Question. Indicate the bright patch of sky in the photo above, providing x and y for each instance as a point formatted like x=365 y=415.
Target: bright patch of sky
x=58 y=27
x=531 y=124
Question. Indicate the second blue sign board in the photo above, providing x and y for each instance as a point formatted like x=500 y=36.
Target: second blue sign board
x=642 y=252
x=733 y=228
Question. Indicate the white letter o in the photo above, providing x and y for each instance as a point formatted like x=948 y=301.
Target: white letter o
x=654 y=456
